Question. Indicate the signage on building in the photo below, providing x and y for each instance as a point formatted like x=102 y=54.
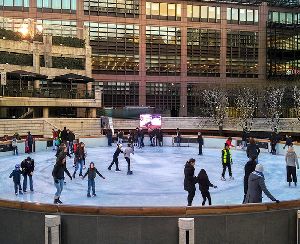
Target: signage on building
x=3 y=78
x=293 y=72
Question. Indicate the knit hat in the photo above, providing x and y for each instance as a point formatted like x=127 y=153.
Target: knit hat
x=17 y=166
x=259 y=168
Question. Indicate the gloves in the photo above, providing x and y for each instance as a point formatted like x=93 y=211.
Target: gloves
x=277 y=201
x=215 y=187
x=56 y=181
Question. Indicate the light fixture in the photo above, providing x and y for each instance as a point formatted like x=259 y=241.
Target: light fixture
x=24 y=29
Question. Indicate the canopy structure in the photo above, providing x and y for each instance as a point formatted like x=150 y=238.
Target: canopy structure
x=73 y=78
x=25 y=75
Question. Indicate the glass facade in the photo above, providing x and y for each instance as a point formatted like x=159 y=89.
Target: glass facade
x=163 y=50
x=242 y=54
x=165 y=97
x=203 y=13
x=115 y=48
x=120 y=94
x=242 y=16
x=203 y=52
x=18 y=5
x=56 y=6
x=11 y=24
x=58 y=27
x=122 y=8
x=284 y=17
x=163 y=11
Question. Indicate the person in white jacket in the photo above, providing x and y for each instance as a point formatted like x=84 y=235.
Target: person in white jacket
x=291 y=160
x=127 y=151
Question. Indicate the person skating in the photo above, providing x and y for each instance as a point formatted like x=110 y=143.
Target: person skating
x=16 y=175
x=204 y=185
x=190 y=180
x=229 y=142
x=200 y=142
x=244 y=138
x=27 y=167
x=127 y=151
x=249 y=168
x=80 y=157
x=178 y=137
x=256 y=185
x=91 y=173
x=226 y=162
x=291 y=160
x=58 y=175
x=29 y=143
x=252 y=149
x=288 y=141
x=14 y=145
x=116 y=157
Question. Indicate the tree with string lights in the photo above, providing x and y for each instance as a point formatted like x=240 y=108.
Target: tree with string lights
x=296 y=96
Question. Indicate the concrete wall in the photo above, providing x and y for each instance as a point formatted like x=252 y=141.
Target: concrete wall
x=276 y=227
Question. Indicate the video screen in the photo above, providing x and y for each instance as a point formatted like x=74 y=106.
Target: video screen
x=151 y=121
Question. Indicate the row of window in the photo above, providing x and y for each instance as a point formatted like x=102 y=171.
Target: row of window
x=284 y=18
x=56 y=5
x=242 y=16
x=15 y=3
x=164 y=11
x=203 y=13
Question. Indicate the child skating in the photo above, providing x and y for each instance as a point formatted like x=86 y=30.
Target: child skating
x=16 y=175
x=91 y=173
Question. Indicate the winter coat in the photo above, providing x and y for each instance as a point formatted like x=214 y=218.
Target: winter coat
x=291 y=159
x=249 y=168
x=80 y=154
x=61 y=156
x=128 y=151
x=253 y=151
x=91 y=173
x=256 y=185
x=14 y=143
x=16 y=175
x=27 y=167
x=289 y=141
x=71 y=136
x=226 y=156
x=204 y=183
x=189 y=178
x=58 y=171
x=117 y=152
x=29 y=139
x=64 y=135
x=200 y=140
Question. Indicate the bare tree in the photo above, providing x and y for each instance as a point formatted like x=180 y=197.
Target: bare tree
x=217 y=103
x=296 y=97
x=246 y=104
x=273 y=106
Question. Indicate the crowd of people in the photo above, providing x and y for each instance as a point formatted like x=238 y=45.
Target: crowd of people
x=65 y=145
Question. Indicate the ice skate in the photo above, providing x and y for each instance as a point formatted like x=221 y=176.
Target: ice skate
x=88 y=195
x=94 y=195
x=16 y=194
x=59 y=201
x=84 y=167
x=129 y=172
x=118 y=170
x=109 y=168
x=55 y=201
x=223 y=179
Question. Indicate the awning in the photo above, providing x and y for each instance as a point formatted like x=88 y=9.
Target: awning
x=73 y=78
x=25 y=75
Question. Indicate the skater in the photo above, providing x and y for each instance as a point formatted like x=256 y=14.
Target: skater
x=29 y=142
x=127 y=151
x=244 y=138
x=249 y=168
x=14 y=145
x=252 y=149
x=256 y=185
x=91 y=172
x=291 y=160
x=109 y=137
x=64 y=136
x=274 y=141
x=16 y=175
x=226 y=162
x=120 y=137
x=27 y=166
x=115 y=157
x=200 y=142
x=178 y=137
x=204 y=185
x=190 y=180
x=229 y=142
x=54 y=139
x=80 y=158
x=288 y=141
x=58 y=175
x=71 y=139
x=160 y=137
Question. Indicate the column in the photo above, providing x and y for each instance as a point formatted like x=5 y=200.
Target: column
x=186 y=231
x=183 y=62
x=36 y=58
x=262 y=40
x=52 y=229
x=223 y=48
x=79 y=18
x=45 y=112
x=47 y=51
x=142 y=53
x=36 y=84
x=93 y=113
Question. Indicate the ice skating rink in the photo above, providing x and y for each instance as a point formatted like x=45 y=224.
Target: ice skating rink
x=157 y=178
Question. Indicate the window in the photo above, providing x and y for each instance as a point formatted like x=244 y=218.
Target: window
x=203 y=13
x=18 y=5
x=163 y=11
x=58 y=27
x=63 y=6
x=242 y=16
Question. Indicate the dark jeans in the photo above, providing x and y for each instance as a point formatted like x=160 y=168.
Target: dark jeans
x=273 y=149
x=25 y=182
x=128 y=162
x=291 y=174
x=17 y=187
x=30 y=147
x=116 y=161
x=178 y=140
x=228 y=165
x=15 y=149
x=191 y=196
x=109 y=140
x=200 y=149
x=206 y=195
x=91 y=184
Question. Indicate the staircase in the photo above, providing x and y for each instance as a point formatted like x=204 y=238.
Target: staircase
x=25 y=115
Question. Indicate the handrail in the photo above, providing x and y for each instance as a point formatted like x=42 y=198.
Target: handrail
x=151 y=211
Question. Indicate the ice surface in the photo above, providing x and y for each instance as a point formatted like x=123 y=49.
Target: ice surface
x=157 y=178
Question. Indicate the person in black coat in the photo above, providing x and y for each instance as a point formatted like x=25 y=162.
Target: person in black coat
x=64 y=135
x=91 y=173
x=115 y=157
x=27 y=166
x=58 y=175
x=249 y=168
x=200 y=142
x=190 y=180
x=16 y=175
x=204 y=185
x=29 y=141
x=252 y=149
